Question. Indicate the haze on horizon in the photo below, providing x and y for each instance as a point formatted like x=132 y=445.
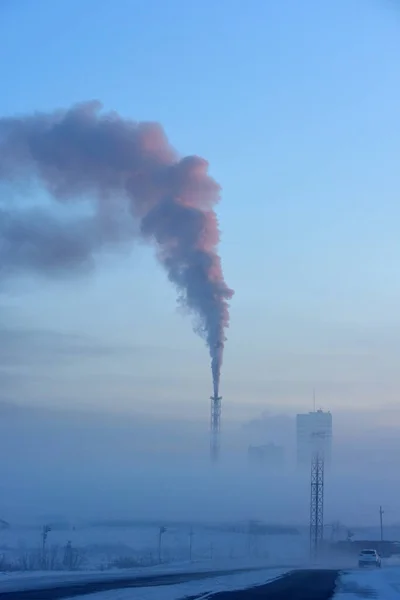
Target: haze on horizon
x=74 y=466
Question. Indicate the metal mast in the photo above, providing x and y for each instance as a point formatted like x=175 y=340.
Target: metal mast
x=215 y=427
x=317 y=496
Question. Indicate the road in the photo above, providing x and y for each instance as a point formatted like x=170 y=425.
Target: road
x=70 y=590
x=297 y=585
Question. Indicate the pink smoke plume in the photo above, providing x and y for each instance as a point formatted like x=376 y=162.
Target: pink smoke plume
x=127 y=169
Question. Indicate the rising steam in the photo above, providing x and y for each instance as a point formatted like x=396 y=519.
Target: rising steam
x=127 y=170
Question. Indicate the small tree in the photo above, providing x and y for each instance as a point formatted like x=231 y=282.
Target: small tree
x=45 y=533
x=53 y=556
x=67 y=561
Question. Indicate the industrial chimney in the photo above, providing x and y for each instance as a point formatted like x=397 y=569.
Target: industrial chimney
x=215 y=426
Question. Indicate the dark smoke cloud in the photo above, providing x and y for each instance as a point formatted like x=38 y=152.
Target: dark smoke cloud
x=128 y=170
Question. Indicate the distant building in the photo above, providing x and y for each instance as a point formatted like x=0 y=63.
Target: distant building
x=268 y=455
x=310 y=427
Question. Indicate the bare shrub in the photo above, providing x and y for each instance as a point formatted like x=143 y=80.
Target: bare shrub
x=125 y=562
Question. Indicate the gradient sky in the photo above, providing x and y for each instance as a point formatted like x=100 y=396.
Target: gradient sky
x=296 y=107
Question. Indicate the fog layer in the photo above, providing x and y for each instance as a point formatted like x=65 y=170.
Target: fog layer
x=86 y=465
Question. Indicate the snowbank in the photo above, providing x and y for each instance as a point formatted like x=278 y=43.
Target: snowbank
x=42 y=579
x=380 y=584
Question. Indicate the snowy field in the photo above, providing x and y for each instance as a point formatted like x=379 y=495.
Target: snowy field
x=105 y=548
x=379 y=584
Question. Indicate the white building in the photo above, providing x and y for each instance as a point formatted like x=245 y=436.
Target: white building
x=312 y=429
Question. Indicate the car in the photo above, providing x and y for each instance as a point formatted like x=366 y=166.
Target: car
x=369 y=558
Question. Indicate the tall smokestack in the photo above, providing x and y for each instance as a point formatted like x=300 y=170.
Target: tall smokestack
x=215 y=427
x=136 y=186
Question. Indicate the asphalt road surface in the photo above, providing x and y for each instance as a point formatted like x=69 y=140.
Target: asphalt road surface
x=70 y=590
x=297 y=585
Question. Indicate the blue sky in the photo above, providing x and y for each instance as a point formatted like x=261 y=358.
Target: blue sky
x=296 y=107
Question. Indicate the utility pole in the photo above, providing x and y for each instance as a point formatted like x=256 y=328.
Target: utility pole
x=161 y=531
x=381 y=512
x=190 y=543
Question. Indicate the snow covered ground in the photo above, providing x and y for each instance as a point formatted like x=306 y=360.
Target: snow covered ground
x=379 y=584
x=193 y=588
x=104 y=548
x=29 y=580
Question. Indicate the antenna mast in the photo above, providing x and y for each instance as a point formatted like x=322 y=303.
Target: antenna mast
x=317 y=494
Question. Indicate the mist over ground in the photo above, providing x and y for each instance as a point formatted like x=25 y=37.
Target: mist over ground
x=83 y=465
